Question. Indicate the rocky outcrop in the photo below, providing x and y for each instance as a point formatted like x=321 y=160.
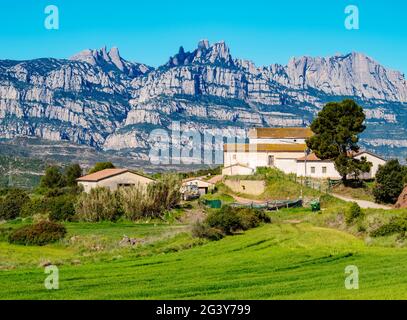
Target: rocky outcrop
x=110 y=61
x=402 y=200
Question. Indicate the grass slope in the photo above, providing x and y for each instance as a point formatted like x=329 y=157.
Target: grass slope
x=275 y=261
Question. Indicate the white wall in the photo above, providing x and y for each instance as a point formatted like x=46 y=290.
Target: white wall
x=282 y=160
x=237 y=171
x=376 y=163
x=318 y=165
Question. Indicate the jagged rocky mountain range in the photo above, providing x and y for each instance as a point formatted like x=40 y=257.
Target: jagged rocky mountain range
x=97 y=98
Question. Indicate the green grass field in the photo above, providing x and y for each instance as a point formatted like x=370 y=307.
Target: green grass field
x=275 y=261
x=300 y=255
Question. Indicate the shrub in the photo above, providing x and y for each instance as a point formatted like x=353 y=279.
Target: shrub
x=396 y=225
x=229 y=219
x=100 y=204
x=61 y=208
x=248 y=219
x=354 y=213
x=164 y=194
x=202 y=230
x=389 y=182
x=53 y=178
x=226 y=219
x=11 y=204
x=157 y=198
x=34 y=206
x=40 y=234
x=133 y=202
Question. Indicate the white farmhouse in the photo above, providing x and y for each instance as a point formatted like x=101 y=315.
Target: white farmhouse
x=113 y=179
x=285 y=149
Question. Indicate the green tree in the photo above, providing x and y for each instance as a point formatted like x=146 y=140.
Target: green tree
x=101 y=166
x=53 y=178
x=73 y=172
x=389 y=182
x=336 y=130
x=12 y=203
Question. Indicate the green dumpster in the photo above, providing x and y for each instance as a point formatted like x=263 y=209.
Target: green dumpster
x=315 y=205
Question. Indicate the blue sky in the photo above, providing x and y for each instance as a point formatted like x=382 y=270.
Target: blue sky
x=265 y=32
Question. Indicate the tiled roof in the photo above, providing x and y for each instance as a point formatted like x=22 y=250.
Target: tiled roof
x=102 y=174
x=106 y=173
x=310 y=157
x=280 y=133
x=265 y=147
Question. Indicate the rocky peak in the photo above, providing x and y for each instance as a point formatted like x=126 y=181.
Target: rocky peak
x=217 y=54
x=353 y=74
x=111 y=61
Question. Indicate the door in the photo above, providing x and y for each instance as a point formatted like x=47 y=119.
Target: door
x=271 y=161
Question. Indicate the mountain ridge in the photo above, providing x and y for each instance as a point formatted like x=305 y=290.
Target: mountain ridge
x=99 y=99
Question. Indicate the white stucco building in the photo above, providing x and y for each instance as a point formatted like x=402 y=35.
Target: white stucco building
x=285 y=149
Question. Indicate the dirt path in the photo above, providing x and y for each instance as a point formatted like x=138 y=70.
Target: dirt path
x=245 y=200
x=363 y=203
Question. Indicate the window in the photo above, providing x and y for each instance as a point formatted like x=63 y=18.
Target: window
x=271 y=161
x=125 y=185
x=324 y=170
x=312 y=169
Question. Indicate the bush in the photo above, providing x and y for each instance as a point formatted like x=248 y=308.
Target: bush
x=389 y=182
x=248 y=219
x=100 y=204
x=202 y=230
x=157 y=198
x=61 y=208
x=38 y=234
x=229 y=219
x=11 y=204
x=133 y=202
x=35 y=206
x=354 y=213
x=53 y=178
x=396 y=225
x=226 y=219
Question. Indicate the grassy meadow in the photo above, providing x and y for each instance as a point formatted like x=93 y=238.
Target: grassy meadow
x=275 y=261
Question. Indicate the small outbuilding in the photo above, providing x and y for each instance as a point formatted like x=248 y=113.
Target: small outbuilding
x=203 y=186
x=113 y=179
